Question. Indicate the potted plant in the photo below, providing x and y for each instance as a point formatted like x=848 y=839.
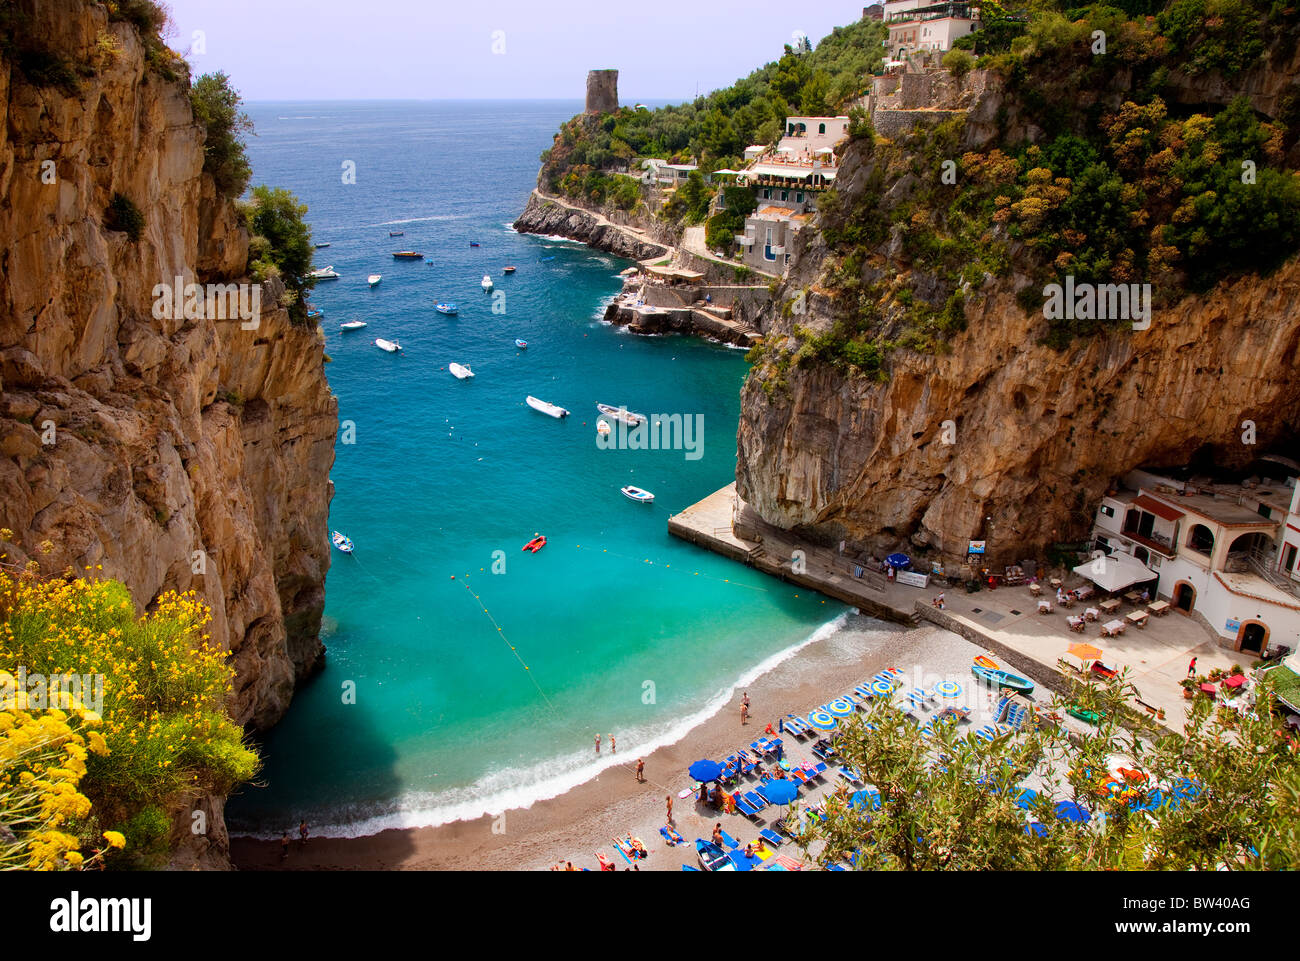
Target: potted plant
x=1189 y=688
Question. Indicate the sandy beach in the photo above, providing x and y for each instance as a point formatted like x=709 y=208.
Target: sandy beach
x=585 y=820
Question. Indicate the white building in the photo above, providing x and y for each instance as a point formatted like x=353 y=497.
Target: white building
x=925 y=25
x=1226 y=551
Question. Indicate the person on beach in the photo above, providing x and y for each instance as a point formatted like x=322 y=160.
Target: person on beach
x=302 y=831
x=744 y=699
x=669 y=799
x=597 y=743
x=284 y=846
x=717 y=834
x=640 y=770
x=613 y=748
x=744 y=714
x=1191 y=668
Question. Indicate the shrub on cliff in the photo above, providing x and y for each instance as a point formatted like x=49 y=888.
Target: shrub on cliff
x=122 y=215
x=145 y=728
x=216 y=106
x=281 y=245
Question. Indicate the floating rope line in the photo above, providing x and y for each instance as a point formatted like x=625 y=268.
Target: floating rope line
x=646 y=560
x=513 y=649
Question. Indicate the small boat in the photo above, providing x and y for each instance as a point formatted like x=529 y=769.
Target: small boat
x=1084 y=714
x=712 y=857
x=374 y=279
x=1002 y=679
x=551 y=410
x=486 y=283
x=352 y=325
x=397 y=233
x=521 y=344
x=621 y=413
x=988 y=662
x=407 y=255
x=448 y=309
x=508 y=270
x=536 y=544
x=322 y=246
x=637 y=494
x=342 y=543
x=391 y=346
x=325 y=273
x=473 y=243
x=460 y=372
x=1102 y=669
x=316 y=314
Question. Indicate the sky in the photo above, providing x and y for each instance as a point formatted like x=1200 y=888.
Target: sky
x=492 y=49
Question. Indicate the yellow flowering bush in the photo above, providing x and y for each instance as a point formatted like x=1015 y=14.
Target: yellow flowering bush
x=162 y=734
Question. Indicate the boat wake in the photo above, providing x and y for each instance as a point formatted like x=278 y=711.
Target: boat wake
x=436 y=218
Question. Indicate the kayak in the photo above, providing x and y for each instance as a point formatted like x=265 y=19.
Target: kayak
x=988 y=662
x=536 y=544
x=1083 y=714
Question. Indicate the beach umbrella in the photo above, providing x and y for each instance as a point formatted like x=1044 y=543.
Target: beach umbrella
x=779 y=791
x=866 y=798
x=841 y=707
x=948 y=689
x=1085 y=652
x=705 y=770
x=1154 y=800
x=1033 y=827
x=883 y=688
x=1071 y=811
x=1026 y=798
x=898 y=560
x=821 y=720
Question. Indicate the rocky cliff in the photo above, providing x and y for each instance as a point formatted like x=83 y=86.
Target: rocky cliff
x=176 y=453
x=543 y=215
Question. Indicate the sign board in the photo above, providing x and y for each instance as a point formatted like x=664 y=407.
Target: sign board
x=912 y=578
x=976 y=547
x=1233 y=625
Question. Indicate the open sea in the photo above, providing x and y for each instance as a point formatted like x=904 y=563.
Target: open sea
x=465 y=676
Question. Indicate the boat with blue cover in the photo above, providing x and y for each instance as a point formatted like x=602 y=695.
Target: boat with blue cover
x=1000 y=678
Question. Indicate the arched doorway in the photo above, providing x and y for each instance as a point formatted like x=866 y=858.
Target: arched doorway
x=1184 y=596
x=1252 y=637
x=1141 y=554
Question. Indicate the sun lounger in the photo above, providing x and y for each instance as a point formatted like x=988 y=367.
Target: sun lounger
x=796 y=725
x=850 y=775
x=687 y=867
x=746 y=808
x=756 y=799
x=819 y=769
x=730 y=841
x=836 y=867
x=771 y=837
x=864 y=692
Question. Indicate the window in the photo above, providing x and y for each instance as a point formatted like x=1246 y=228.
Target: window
x=1201 y=539
x=1107 y=510
x=799 y=196
x=785 y=195
x=821 y=128
x=1265 y=511
x=1290 y=556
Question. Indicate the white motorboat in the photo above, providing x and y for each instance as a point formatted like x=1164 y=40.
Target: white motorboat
x=374 y=279
x=551 y=410
x=621 y=413
x=391 y=346
x=352 y=325
x=325 y=273
x=638 y=494
x=460 y=371
x=487 y=282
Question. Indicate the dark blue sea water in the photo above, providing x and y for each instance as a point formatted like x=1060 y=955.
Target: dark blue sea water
x=614 y=626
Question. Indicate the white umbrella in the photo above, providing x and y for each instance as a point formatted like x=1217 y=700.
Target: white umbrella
x=1115 y=572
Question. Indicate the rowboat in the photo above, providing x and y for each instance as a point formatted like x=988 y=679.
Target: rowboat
x=1002 y=679
x=550 y=410
x=621 y=413
x=486 y=282
x=521 y=344
x=988 y=662
x=448 y=309
x=342 y=543
x=322 y=246
x=712 y=857
x=1084 y=714
x=536 y=544
x=374 y=279
x=397 y=233
x=391 y=346
x=315 y=314
x=602 y=427
x=407 y=255
x=352 y=325
x=508 y=270
x=637 y=494
x=460 y=371
x=325 y=273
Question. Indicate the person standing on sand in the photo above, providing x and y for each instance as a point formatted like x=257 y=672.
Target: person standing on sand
x=744 y=714
x=284 y=846
x=1191 y=668
x=302 y=831
x=613 y=748
x=669 y=799
x=597 y=743
x=640 y=770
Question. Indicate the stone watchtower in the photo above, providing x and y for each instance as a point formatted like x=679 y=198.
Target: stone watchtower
x=602 y=91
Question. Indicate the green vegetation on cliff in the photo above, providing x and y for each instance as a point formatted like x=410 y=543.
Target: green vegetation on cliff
x=216 y=106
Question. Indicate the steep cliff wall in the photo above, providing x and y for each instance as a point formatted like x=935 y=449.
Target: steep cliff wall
x=185 y=454
x=542 y=215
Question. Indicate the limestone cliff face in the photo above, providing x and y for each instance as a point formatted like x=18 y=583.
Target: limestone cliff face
x=542 y=215
x=185 y=454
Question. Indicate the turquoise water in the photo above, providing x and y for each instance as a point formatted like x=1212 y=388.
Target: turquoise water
x=622 y=628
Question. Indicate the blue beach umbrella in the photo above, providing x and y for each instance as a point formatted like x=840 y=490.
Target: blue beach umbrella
x=866 y=798
x=841 y=707
x=1071 y=811
x=821 y=720
x=883 y=688
x=1033 y=827
x=1185 y=787
x=1157 y=799
x=705 y=770
x=898 y=560
x=779 y=791
x=1026 y=798
x=948 y=689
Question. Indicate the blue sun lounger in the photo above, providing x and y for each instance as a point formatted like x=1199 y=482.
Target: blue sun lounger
x=864 y=692
x=687 y=867
x=850 y=775
x=746 y=808
x=796 y=725
x=771 y=837
x=756 y=799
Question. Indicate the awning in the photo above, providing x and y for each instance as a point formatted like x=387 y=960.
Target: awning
x=1159 y=508
x=1115 y=572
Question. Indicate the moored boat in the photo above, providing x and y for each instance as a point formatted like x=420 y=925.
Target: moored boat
x=407 y=255
x=397 y=233
x=446 y=308
x=322 y=246
x=1002 y=679
x=486 y=282
x=552 y=410
x=473 y=243
x=621 y=413
x=352 y=325
x=460 y=371
x=521 y=344
x=536 y=544
x=391 y=346
x=508 y=270
x=342 y=543
x=712 y=857
x=325 y=273
x=638 y=494
x=315 y=314
x=988 y=662
x=374 y=279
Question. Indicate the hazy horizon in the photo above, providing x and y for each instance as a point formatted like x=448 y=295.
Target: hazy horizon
x=496 y=50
